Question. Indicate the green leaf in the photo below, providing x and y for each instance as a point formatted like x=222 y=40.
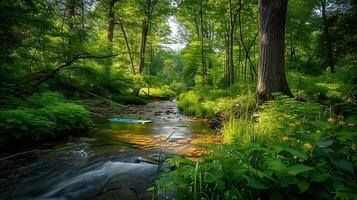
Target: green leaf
x=297 y=153
x=294 y=152
x=255 y=183
x=276 y=165
x=303 y=186
x=324 y=142
x=344 y=164
x=297 y=169
x=288 y=180
x=321 y=177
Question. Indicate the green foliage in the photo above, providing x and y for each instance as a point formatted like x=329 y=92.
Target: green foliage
x=23 y=124
x=267 y=171
x=286 y=148
x=45 y=115
x=191 y=103
x=44 y=98
x=67 y=116
x=209 y=102
x=129 y=99
x=158 y=92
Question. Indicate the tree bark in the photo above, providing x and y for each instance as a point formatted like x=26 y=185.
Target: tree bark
x=327 y=39
x=127 y=46
x=203 y=56
x=271 y=75
x=110 y=38
x=144 y=33
x=230 y=60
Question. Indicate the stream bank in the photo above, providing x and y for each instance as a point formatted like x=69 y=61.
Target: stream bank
x=112 y=160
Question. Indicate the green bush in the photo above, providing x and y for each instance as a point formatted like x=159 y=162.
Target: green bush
x=129 y=99
x=67 y=116
x=21 y=124
x=47 y=115
x=191 y=103
x=45 y=98
x=324 y=169
x=209 y=102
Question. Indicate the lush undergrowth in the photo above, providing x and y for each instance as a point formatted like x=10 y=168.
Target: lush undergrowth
x=41 y=116
x=158 y=92
x=204 y=102
x=303 y=148
x=129 y=99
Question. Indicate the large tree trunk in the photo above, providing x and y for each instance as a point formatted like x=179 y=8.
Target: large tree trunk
x=271 y=76
x=329 y=53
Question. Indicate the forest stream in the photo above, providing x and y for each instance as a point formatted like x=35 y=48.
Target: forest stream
x=112 y=160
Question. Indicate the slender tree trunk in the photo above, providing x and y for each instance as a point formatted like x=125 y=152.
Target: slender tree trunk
x=144 y=33
x=271 y=76
x=127 y=46
x=203 y=56
x=110 y=38
x=247 y=49
x=71 y=4
x=230 y=45
x=329 y=53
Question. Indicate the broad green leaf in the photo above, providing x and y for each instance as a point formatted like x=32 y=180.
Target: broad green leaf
x=324 y=142
x=344 y=164
x=303 y=186
x=255 y=183
x=288 y=180
x=297 y=169
x=321 y=177
x=294 y=152
x=297 y=153
x=276 y=165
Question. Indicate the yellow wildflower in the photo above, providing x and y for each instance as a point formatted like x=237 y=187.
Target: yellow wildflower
x=308 y=146
x=354 y=147
x=341 y=123
x=318 y=131
x=292 y=124
x=350 y=125
x=298 y=123
x=331 y=120
x=280 y=118
x=285 y=138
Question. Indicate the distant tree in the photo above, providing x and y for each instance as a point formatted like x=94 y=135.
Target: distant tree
x=327 y=37
x=271 y=75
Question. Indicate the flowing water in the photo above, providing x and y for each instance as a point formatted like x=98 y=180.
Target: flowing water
x=112 y=161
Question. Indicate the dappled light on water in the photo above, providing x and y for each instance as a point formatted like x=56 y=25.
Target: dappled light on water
x=192 y=147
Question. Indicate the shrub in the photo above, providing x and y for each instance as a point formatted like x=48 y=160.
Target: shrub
x=22 y=124
x=45 y=98
x=191 y=103
x=253 y=171
x=47 y=115
x=287 y=148
x=129 y=99
x=67 y=116
x=159 y=92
